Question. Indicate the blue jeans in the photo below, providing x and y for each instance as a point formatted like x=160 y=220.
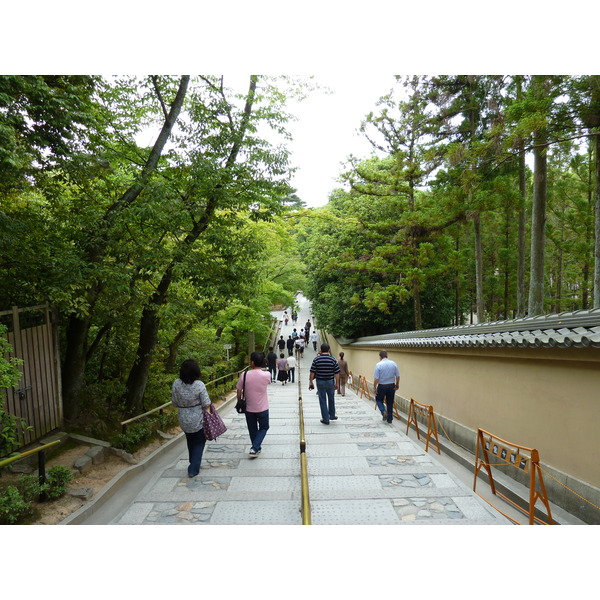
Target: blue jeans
x=326 y=393
x=258 y=425
x=387 y=391
x=195 y=443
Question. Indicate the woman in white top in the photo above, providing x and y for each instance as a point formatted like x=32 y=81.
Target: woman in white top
x=189 y=395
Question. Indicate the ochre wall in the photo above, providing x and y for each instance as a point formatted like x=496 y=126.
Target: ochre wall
x=548 y=399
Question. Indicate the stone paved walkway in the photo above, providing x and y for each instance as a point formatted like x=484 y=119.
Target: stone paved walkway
x=361 y=471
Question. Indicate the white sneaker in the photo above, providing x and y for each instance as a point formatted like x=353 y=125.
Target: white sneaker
x=253 y=453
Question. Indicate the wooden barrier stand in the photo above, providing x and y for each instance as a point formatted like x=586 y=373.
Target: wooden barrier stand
x=422 y=410
x=519 y=457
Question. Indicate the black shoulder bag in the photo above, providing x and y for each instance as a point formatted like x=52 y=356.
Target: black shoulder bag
x=240 y=407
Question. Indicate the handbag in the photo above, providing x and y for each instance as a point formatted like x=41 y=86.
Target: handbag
x=213 y=424
x=240 y=407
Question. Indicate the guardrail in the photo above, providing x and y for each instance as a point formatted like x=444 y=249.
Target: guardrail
x=41 y=452
x=162 y=407
x=305 y=510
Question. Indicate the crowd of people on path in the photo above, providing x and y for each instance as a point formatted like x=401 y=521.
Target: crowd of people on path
x=330 y=375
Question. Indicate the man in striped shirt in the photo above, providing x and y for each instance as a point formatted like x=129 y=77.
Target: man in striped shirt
x=326 y=371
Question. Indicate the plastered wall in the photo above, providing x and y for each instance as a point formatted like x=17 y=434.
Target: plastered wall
x=548 y=399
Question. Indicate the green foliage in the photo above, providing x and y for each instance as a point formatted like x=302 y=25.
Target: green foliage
x=13 y=507
x=9 y=369
x=57 y=479
x=140 y=432
x=17 y=500
x=11 y=430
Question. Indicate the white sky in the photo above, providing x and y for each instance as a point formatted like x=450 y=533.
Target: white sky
x=326 y=131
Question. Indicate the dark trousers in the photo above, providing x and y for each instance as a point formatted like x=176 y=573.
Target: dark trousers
x=195 y=443
x=258 y=425
x=386 y=392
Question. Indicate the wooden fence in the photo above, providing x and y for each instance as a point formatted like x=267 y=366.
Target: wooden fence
x=36 y=397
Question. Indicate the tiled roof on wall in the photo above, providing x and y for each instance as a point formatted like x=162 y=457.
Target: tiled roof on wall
x=579 y=329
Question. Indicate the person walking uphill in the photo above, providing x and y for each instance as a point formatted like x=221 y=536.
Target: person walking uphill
x=386 y=380
x=189 y=395
x=344 y=374
x=272 y=362
x=257 y=401
x=326 y=371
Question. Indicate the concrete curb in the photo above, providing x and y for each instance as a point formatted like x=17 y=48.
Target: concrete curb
x=117 y=482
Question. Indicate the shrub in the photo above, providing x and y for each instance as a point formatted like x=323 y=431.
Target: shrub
x=57 y=478
x=13 y=507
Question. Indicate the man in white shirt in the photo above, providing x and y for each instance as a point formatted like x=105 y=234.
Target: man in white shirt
x=386 y=380
x=292 y=367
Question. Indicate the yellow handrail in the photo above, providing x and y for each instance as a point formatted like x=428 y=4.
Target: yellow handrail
x=12 y=459
x=306 y=516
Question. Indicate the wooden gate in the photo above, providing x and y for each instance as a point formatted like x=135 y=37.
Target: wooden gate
x=36 y=397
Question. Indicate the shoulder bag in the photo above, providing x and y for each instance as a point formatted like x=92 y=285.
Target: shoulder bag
x=240 y=407
x=213 y=424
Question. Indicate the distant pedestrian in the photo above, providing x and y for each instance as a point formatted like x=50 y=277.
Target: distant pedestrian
x=300 y=347
x=314 y=338
x=290 y=345
x=326 y=372
x=307 y=327
x=344 y=374
x=281 y=343
x=189 y=395
x=386 y=380
x=272 y=363
x=292 y=367
x=294 y=334
x=257 y=401
x=282 y=367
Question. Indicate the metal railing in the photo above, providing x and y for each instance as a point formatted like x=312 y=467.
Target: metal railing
x=41 y=452
x=162 y=407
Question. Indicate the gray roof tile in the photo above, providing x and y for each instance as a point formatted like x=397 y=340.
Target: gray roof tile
x=577 y=329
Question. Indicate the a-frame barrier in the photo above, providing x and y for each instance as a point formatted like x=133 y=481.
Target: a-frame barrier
x=520 y=457
x=417 y=409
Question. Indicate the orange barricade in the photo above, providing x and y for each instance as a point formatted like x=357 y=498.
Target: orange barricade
x=363 y=387
x=519 y=457
x=417 y=409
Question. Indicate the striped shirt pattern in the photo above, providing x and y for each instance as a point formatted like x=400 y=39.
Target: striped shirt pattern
x=324 y=366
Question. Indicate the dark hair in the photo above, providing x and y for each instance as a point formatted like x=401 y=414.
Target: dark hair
x=324 y=347
x=383 y=354
x=341 y=355
x=189 y=371
x=258 y=358
x=282 y=355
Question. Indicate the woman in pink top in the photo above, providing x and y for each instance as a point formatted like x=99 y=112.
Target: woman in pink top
x=257 y=401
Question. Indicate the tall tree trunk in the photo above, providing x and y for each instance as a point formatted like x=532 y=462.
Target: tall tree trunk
x=73 y=369
x=478 y=268
x=148 y=337
x=597 y=226
x=521 y=243
x=538 y=216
